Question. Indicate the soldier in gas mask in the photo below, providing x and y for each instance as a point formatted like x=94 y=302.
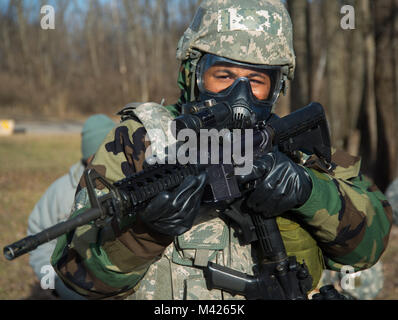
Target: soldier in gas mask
x=240 y=52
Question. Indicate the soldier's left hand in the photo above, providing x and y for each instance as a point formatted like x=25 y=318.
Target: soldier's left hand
x=281 y=185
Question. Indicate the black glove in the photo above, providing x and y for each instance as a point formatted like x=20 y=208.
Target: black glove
x=173 y=213
x=281 y=185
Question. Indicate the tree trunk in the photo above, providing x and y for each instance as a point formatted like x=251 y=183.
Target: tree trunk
x=395 y=55
x=300 y=90
x=90 y=37
x=336 y=72
x=355 y=78
x=7 y=47
x=318 y=49
x=385 y=92
x=368 y=119
x=137 y=44
x=120 y=49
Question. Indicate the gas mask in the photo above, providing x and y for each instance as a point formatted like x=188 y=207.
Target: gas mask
x=250 y=90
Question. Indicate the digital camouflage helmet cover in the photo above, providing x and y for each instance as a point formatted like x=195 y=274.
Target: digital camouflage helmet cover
x=250 y=31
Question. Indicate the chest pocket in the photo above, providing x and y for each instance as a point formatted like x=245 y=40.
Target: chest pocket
x=208 y=240
x=202 y=243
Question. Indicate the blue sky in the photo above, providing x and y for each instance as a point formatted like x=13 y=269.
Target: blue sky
x=34 y=5
x=81 y=3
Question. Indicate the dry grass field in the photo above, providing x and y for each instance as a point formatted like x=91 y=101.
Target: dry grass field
x=28 y=165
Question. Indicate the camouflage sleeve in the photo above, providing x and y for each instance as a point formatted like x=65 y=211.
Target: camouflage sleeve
x=348 y=215
x=109 y=262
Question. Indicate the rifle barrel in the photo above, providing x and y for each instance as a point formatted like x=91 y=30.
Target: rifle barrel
x=30 y=243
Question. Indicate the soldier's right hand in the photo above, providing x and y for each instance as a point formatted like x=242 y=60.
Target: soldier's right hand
x=173 y=213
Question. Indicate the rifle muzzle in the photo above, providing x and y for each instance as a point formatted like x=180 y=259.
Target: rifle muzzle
x=20 y=247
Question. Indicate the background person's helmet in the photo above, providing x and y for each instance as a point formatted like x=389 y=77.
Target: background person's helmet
x=250 y=31
x=95 y=130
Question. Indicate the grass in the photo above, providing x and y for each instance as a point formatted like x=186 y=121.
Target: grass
x=28 y=165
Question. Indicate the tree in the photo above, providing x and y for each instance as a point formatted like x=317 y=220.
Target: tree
x=300 y=91
x=336 y=71
x=385 y=88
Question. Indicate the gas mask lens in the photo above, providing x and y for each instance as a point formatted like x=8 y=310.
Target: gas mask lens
x=217 y=76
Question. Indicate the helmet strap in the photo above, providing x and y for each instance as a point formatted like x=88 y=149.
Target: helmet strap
x=284 y=85
x=194 y=57
x=283 y=90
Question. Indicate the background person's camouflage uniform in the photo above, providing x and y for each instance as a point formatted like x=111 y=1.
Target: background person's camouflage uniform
x=367 y=283
x=55 y=204
x=346 y=220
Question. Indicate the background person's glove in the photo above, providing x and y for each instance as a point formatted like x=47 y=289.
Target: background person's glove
x=281 y=185
x=173 y=213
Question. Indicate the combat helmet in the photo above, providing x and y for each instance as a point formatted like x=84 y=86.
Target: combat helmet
x=250 y=31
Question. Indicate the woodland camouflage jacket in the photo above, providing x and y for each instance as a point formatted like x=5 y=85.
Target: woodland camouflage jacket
x=346 y=221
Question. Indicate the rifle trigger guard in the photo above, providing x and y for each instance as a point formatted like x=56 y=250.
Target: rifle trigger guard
x=245 y=227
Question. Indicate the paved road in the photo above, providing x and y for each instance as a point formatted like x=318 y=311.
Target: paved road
x=48 y=127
